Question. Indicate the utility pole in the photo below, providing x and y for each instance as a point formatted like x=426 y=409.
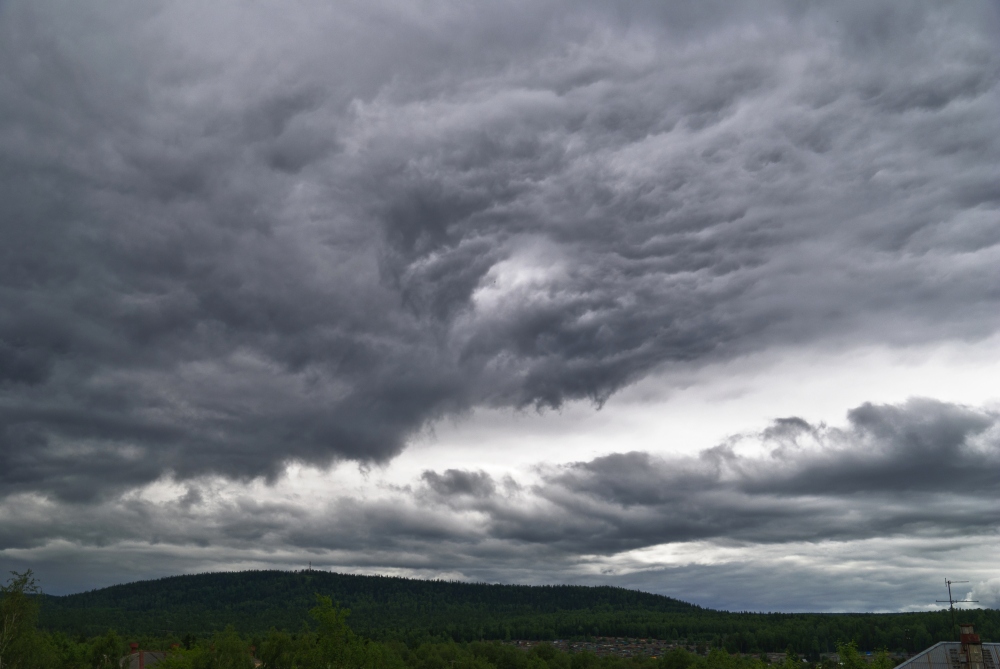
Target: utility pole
x=952 y=601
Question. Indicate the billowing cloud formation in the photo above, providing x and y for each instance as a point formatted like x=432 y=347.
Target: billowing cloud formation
x=895 y=470
x=239 y=237
x=898 y=485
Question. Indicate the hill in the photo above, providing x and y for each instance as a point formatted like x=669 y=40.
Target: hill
x=408 y=609
x=258 y=600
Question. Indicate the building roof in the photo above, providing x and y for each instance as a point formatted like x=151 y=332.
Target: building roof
x=150 y=658
x=945 y=655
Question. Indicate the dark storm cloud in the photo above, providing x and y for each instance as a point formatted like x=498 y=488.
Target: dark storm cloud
x=923 y=446
x=235 y=238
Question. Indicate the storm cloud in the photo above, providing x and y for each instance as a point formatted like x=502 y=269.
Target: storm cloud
x=243 y=241
x=238 y=237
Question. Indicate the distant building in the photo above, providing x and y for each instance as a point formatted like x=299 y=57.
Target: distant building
x=969 y=653
x=142 y=659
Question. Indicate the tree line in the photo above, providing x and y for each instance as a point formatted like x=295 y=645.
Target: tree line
x=412 y=611
x=330 y=643
x=400 y=616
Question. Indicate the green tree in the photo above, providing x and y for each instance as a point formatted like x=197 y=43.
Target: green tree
x=882 y=660
x=363 y=654
x=850 y=658
x=107 y=651
x=231 y=651
x=18 y=614
x=792 y=659
x=331 y=620
x=676 y=658
x=179 y=659
x=277 y=651
x=334 y=636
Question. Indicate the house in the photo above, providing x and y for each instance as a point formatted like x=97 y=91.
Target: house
x=142 y=659
x=968 y=653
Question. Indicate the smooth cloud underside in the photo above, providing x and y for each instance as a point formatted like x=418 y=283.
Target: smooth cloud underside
x=236 y=238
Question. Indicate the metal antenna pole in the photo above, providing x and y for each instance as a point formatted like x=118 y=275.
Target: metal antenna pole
x=952 y=601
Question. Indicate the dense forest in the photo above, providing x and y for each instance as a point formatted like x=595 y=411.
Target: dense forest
x=413 y=611
x=328 y=642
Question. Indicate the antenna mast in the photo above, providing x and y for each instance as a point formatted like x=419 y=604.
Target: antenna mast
x=952 y=601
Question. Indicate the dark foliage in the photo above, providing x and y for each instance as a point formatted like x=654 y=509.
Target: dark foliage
x=411 y=611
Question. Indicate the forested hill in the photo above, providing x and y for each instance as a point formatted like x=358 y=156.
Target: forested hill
x=379 y=605
x=406 y=609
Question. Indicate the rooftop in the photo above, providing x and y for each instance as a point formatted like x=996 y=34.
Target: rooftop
x=947 y=655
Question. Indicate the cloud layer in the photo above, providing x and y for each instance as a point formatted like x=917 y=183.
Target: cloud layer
x=901 y=485
x=242 y=237
x=250 y=252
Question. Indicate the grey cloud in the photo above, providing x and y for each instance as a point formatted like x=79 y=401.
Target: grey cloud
x=817 y=486
x=581 y=522
x=893 y=469
x=923 y=467
x=306 y=235
x=460 y=482
x=922 y=447
x=986 y=593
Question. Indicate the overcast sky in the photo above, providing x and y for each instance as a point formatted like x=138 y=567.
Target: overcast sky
x=696 y=297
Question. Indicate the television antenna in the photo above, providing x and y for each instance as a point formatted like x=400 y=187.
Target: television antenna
x=952 y=601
